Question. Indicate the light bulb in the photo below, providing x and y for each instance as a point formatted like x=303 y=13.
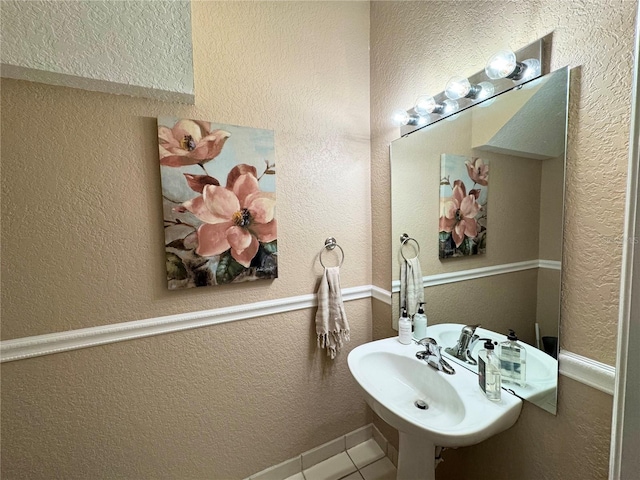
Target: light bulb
x=532 y=69
x=501 y=65
x=486 y=90
x=457 y=87
x=425 y=104
x=449 y=107
x=400 y=117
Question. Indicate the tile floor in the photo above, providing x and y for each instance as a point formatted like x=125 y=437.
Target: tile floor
x=364 y=461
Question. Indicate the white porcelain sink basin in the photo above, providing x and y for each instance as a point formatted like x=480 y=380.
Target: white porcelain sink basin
x=542 y=369
x=458 y=413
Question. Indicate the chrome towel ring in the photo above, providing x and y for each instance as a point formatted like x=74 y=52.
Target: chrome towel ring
x=404 y=239
x=329 y=244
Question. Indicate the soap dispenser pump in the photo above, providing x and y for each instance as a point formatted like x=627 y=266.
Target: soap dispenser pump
x=420 y=323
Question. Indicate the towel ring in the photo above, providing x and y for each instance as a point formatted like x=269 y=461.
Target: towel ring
x=329 y=244
x=404 y=239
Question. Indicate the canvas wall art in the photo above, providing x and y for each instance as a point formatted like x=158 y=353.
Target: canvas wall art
x=464 y=184
x=219 y=202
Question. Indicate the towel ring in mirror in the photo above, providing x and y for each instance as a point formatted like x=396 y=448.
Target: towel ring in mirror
x=329 y=244
x=404 y=239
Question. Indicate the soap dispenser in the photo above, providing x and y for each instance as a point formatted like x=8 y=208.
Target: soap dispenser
x=404 y=328
x=489 y=372
x=513 y=360
x=420 y=323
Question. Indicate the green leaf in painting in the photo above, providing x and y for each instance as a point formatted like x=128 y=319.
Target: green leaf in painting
x=271 y=247
x=228 y=269
x=175 y=267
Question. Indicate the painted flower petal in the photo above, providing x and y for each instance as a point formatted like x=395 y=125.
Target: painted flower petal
x=239 y=170
x=262 y=206
x=198 y=207
x=459 y=192
x=266 y=232
x=448 y=207
x=238 y=238
x=458 y=233
x=186 y=127
x=245 y=185
x=198 y=182
x=471 y=227
x=221 y=202
x=469 y=208
x=245 y=256
x=166 y=138
x=212 y=239
x=447 y=224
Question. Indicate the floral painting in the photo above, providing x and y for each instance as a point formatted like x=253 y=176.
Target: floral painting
x=219 y=203
x=464 y=184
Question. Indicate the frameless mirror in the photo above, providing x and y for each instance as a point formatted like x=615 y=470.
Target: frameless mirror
x=480 y=195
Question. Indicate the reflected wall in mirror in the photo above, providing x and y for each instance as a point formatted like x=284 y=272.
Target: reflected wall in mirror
x=515 y=285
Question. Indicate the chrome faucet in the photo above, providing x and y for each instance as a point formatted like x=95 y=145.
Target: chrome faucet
x=462 y=350
x=433 y=356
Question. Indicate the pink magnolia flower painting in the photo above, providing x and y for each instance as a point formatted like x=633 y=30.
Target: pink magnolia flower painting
x=463 y=206
x=219 y=203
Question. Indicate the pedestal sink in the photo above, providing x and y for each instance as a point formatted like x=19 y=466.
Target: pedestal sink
x=397 y=386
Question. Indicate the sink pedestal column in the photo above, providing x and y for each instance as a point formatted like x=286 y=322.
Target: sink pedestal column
x=416 y=458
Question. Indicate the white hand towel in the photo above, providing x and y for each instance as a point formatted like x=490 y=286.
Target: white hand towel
x=411 y=288
x=331 y=320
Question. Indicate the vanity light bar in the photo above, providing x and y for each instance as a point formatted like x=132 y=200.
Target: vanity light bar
x=466 y=92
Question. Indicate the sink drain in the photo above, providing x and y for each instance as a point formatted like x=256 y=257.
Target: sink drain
x=421 y=404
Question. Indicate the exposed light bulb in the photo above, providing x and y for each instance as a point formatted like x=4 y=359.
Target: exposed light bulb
x=486 y=90
x=449 y=107
x=457 y=87
x=504 y=65
x=425 y=104
x=400 y=117
x=532 y=70
x=501 y=64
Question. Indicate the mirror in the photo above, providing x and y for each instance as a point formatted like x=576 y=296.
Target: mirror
x=507 y=276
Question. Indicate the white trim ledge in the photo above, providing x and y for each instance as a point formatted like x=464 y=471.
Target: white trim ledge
x=471 y=274
x=582 y=369
x=28 y=347
x=585 y=370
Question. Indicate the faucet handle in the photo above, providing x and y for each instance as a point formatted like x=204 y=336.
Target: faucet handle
x=427 y=341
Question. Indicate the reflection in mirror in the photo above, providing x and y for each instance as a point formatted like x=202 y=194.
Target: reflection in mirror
x=514 y=228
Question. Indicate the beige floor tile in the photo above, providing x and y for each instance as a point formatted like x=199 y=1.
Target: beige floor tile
x=365 y=453
x=354 y=476
x=381 y=470
x=334 y=468
x=323 y=452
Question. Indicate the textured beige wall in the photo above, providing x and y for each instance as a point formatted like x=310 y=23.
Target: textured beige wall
x=82 y=236
x=415 y=48
x=82 y=245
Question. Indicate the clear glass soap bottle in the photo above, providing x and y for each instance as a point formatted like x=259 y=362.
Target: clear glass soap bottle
x=513 y=360
x=489 y=372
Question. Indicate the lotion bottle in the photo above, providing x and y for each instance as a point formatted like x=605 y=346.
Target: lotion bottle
x=513 y=360
x=420 y=323
x=404 y=328
x=489 y=372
